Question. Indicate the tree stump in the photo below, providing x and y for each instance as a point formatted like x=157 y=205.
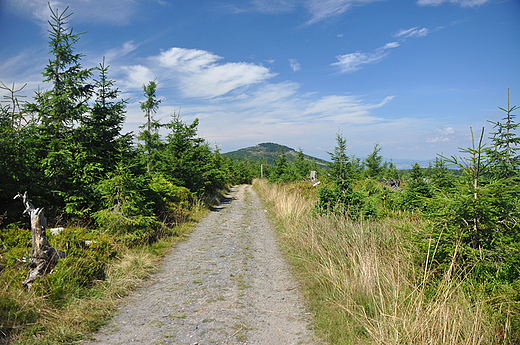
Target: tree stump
x=43 y=257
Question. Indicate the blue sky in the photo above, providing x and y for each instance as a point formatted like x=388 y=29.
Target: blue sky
x=410 y=75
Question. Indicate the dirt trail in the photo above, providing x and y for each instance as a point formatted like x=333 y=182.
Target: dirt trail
x=227 y=284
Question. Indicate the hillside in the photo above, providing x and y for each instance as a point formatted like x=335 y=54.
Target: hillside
x=269 y=153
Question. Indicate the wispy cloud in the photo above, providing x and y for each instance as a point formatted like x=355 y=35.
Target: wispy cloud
x=354 y=61
x=274 y=6
x=322 y=9
x=197 y=74
x=295 y=65
x=462 y=3
x=318 y=9
x=116 y=53
x=413 y=32
x=344 y=109
x=262 y=6
x=108 y=12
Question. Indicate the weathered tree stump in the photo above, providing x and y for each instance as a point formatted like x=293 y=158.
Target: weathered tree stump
x=43 y=257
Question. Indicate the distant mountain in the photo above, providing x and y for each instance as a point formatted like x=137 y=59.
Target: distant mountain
x=269 y=152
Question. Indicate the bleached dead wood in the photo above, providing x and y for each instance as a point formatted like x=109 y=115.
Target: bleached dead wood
x=43 y=257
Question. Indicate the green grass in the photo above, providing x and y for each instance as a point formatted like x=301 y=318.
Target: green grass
x=366 y=282
x=81 y=292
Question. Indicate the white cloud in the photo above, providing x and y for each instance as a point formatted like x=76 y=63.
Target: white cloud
x=442 y=134
x=137 y=76
x=413 y=32
x=295 y=65
x=353 y=61
x=446 y=130
x=220 y=79
x=390 y=45
x=462 y=3
x=322 y=9
x=186 y=60
x=270 y=96
x=198 y=75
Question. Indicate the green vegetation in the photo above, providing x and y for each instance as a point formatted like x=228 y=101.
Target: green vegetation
x=119 y=204
x=432 y=261
x=426 y=256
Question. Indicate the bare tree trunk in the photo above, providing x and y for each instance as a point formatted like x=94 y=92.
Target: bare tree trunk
x=43 y=257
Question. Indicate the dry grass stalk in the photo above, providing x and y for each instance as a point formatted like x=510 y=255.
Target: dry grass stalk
x=365 y=271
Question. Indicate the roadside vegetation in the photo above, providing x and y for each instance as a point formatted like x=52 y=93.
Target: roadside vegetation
x=424 y=256
x=434 y=260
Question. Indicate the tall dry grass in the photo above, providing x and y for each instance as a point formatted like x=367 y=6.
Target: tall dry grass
x=361 y=281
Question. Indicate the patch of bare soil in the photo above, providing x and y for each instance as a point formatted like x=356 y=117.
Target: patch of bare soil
x=227 y=284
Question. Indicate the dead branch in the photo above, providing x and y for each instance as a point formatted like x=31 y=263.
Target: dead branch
x=43 y=257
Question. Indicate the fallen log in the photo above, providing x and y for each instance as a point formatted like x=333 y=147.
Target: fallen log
x=43 y=257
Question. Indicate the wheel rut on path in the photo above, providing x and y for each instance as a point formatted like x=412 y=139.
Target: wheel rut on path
x=227 y=284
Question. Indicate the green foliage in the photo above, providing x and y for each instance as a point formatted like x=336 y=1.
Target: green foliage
x=477 y=220
x=126 y=209
x=374 y=164
x=15 y=244
x=17 y=156
x=506 y=162
x=282 y=170
x=58 y=110
x=442 y=179
x=150 y=133
x=100 y=130
x=416 y=190
x=341 y=197
x=187 y=160
x=175 y=200
x=302 y=166
x=241 y=171
x=170 y=192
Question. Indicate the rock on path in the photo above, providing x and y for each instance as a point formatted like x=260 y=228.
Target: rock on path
x=227 y=284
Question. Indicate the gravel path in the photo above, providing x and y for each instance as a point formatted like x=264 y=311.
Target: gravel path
x=227 y=284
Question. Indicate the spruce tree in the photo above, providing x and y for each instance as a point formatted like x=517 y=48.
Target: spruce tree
x=374 y=163
x=506 y=142
x=150 y=133
x=416 y=189
x=61 y=108
x=343 y=171
x=100 y=131
x=302 y=166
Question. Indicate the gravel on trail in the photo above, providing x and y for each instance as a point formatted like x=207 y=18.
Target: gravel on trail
x=227 y=284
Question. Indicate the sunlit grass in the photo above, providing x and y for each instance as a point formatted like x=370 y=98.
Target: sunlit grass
x=58 y=310
x=362 y=283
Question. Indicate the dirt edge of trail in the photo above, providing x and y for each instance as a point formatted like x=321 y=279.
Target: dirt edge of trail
x=227 y=284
